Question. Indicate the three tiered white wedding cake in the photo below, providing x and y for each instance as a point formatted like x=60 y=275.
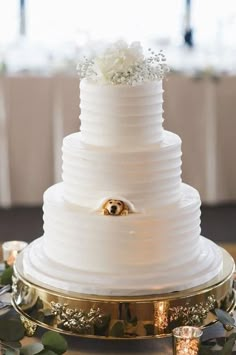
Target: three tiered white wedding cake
x=122 y=222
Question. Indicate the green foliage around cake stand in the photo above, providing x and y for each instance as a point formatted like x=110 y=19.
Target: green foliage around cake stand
x=218 y=346
x=225 y=344
x=6 y=276
x=54 y=342
x=12 y=330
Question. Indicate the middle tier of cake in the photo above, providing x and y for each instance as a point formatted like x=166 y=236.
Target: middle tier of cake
x=148 y=177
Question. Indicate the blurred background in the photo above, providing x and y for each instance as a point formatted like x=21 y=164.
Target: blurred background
x=40 y=43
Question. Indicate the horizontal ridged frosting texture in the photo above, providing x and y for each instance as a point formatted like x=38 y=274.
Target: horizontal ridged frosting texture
x=121 y=243
x=121 y=115
x=122 y=152
x=148 y=178
x=136 y=254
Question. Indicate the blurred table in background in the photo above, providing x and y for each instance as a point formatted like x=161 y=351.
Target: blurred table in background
x=37 y=112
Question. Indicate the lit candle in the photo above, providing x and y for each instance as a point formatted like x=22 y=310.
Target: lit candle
x=11 y=249
x=161 y=316
x=186 y=340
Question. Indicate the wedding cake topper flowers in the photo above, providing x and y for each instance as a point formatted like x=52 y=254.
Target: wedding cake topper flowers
x=124 y=64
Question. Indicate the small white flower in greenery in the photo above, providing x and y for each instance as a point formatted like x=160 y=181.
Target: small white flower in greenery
x=123 y=64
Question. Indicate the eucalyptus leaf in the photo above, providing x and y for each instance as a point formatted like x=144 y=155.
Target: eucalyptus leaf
x=224 y=317
x=228 y=347
x=13 y=344
x=11 y=330
x=232 y=336
x=6 y=277
x=117 y=330
x=221 y=341
x=55 y=342
x=10 y=352
x=204 y=350
x=31 y=349
x=209 y=343
x=46 y=352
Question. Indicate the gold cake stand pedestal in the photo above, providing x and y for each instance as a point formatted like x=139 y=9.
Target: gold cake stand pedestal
x=113 y=317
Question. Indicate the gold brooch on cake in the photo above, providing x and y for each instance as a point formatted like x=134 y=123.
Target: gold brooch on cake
x=115 y=208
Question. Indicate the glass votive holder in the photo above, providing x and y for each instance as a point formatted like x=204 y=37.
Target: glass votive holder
x=186 y=340
x=11 y=249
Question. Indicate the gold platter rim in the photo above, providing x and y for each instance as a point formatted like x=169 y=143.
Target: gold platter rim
x=220 y=292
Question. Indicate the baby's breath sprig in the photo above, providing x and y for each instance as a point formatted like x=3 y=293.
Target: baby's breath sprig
x=124 y=65
x=85 y=68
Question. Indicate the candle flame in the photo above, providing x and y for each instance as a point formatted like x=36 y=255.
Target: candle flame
x=12 y=257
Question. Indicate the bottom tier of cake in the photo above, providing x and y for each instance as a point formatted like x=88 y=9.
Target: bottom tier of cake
x=142 y=253
x=174 y=277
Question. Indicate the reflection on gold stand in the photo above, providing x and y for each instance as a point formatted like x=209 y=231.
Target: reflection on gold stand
x=161 y=319
x=122 y=317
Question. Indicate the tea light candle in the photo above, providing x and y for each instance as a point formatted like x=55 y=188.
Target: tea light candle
x=11 y=249
x=186 y=340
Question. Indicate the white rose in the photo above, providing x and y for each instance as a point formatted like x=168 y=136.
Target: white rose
x=119 y=58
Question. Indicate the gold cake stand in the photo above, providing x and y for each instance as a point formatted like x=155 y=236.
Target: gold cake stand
x=113 y=317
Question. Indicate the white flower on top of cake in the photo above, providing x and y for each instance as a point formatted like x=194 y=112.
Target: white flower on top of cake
x=119 y=58
x=123 y=64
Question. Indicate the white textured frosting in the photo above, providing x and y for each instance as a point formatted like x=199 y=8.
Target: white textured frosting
x=124 y=116
x=120 y=244
x=136 y=254
x=149 y=178
x=122 y=152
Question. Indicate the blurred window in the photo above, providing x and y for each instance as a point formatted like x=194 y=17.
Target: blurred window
x=214 y=23
x=9 y=20
x=53 y=21
x=56 y=30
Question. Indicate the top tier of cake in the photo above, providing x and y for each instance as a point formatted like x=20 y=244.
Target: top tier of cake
x=122 y=151
x=123 y=116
